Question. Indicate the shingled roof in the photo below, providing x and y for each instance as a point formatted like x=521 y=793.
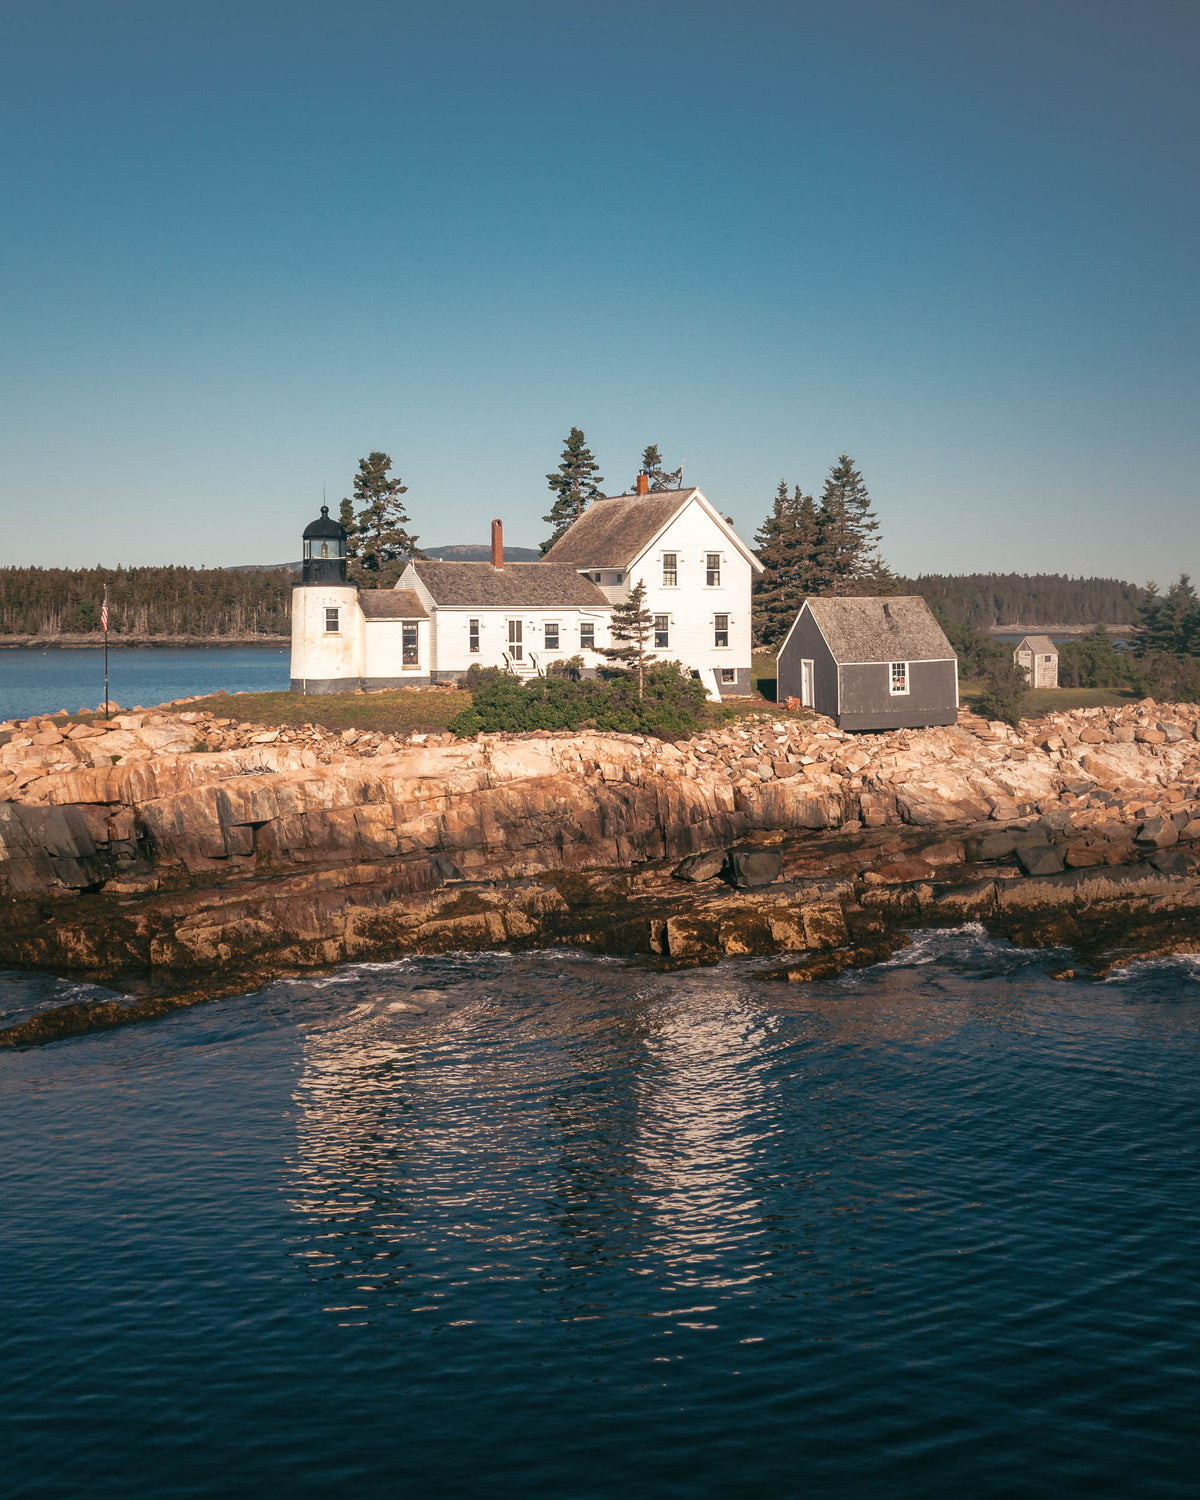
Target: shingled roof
x=870 y=630
x=391 y=604
x=1038 y=644
x=612 y=533
x=530 y=585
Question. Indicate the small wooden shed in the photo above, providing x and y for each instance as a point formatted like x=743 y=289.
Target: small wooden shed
x=1039 y=656
x=870 y=663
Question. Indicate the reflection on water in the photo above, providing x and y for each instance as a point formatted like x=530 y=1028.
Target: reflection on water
x=485 y=1224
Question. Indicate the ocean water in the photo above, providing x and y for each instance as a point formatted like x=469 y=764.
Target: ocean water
x=484 y=1225
x=43 y=681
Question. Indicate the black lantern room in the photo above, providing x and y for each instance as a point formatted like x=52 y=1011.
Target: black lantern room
x=324 y=550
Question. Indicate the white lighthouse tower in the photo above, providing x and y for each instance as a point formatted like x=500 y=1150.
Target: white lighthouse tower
x=327 y=639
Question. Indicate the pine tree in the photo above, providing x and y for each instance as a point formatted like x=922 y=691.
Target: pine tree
x=1170 y=621
x=788 y=544
x=849 y=549
x=383 y=544
x=575 y=484
x=349 y=526
x=660 y=478
x=630 y=625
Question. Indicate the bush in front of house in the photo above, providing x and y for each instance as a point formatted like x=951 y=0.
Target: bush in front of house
x=674 y=702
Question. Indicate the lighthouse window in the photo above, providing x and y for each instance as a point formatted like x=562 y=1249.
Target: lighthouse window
x=332 y=627
x=409 y=645
x=324 y=549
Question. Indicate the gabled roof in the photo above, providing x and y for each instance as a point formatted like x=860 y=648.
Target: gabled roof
x=524 y=585
x=391 y=604
x=859 y=629
x=613 y=533
x=1038 y=644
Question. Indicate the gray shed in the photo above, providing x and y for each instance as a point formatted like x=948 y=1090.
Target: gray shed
x=1039 y=656
x=870 y=663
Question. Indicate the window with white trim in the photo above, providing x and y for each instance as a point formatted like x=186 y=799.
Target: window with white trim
x=550 y=636
x=662 y=632
x=670 y=570
x=712 y=570
x=898 y=677
x=409 y=654
x=587 y=635
x=473 y=637
x=728 y=674
x=332 y=620
x=720 y=631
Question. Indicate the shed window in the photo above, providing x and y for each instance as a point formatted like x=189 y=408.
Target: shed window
x=712 y=570
x=408 y=644
x=670 y=570
x=551 y=637
x=332 y=627
x=662 y=632
x=720 y=630
x=1047 y=659
x=473 y=637
x=587 y=635
x=898 y=673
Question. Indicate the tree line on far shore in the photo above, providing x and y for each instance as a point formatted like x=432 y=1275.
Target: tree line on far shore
x=209 y=602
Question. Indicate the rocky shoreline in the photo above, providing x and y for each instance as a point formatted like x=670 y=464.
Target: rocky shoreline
x=179 y=856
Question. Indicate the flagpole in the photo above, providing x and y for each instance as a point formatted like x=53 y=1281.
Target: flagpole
x=104 y=625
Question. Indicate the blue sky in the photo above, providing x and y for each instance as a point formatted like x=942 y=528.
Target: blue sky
x=244 y=244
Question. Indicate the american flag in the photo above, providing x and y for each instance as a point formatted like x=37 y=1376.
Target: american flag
x=104 y=612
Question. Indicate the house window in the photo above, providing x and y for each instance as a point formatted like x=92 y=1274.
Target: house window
x=408 y=644
x=728 y=674
x=670 y=570
x=332 y=627
x=587 y=636
x=720 y=630
x=712 y=570
x=551 y=637
x=898 y=677
x=473 y=637
x=662 y=632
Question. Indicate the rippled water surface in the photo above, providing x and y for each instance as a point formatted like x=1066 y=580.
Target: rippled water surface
x=494 y=1226
x=42 y=681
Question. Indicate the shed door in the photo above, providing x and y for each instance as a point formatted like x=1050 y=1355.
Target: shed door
x=806 y=683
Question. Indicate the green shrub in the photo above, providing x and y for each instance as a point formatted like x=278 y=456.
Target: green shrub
x=674 y=703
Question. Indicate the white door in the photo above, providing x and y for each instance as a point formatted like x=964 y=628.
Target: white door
x=515 y=648
x=806 y=684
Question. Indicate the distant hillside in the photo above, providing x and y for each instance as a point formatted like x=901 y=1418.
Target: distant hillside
x=984 y=599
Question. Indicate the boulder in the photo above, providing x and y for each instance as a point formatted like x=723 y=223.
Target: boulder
x=1159 y=832
x=1039 y=859
x=749 y=868
x=700 y=866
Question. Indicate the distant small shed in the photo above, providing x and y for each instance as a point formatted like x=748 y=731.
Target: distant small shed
x=870 y=663
x=1039 y=656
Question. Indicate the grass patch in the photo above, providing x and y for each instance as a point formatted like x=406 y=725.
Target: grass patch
x=398 y=712
x=1039 y=701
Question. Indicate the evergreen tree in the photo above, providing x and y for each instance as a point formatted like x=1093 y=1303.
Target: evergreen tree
x=575 y=484
x=787 y=544
x=630 y=626
x=660 y=478
x=349 y=526
x=849 y=556
x=1170 y=621
x=383 y=544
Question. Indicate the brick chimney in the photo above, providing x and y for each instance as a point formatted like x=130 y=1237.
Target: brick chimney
x=497 y=544
x=643 y=484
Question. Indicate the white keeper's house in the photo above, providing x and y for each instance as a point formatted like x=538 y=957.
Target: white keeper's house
x=442 y=617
